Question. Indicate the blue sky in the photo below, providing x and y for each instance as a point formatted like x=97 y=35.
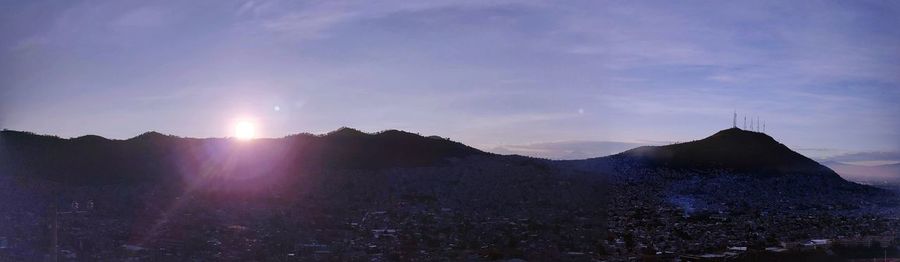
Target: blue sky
x=550 y=78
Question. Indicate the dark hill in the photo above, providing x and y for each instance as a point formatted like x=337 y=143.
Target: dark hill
x=732 y=149
x=733 y=169
x=93 y=159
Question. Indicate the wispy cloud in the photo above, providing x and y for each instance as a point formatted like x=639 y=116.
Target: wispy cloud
x=312 y=20
x=566 y=149
x=142 y=17
x=865 y=156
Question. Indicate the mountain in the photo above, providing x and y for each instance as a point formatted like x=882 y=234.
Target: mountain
x=153 y=155
x=731 y=149
x=159 y=196
x=94 y=159
x=730 y=170
x=155 y=196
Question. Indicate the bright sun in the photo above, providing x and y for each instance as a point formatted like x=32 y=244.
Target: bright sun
x=244 y=130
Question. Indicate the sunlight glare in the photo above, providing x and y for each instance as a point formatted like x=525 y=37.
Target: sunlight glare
x=244 y=130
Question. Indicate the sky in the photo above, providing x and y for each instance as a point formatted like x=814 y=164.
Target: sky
x=556 y=79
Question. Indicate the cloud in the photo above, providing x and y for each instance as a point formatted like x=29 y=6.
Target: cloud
x=868 y=173
x=313 y=20
x=141 y=17
x=829 y=44
x=567 y=149
x=29 y=43
x=306 y=25
x=866 y=156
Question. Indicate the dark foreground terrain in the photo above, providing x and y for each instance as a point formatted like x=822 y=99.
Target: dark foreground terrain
x=398 y=196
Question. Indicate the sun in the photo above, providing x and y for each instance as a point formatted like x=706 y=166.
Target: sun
x=244 y=130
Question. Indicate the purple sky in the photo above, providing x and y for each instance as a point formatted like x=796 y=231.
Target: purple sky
x=548 y=79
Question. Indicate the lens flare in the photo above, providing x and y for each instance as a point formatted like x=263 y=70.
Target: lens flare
x=244 y=130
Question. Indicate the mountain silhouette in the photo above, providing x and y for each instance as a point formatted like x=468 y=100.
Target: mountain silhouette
x=152 y=155
x=732 y=168
x=733 y=149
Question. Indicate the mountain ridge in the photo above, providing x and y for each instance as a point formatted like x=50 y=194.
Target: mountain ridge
x=152 y=155
x=731 y=149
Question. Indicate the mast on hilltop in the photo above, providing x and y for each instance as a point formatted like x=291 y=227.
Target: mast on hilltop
x=734 y=121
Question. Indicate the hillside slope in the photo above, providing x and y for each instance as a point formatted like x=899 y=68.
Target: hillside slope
x=731 y=149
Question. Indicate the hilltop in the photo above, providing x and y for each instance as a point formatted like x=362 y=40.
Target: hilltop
x=732 y=169
x=733 y=149
x=152 y=155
